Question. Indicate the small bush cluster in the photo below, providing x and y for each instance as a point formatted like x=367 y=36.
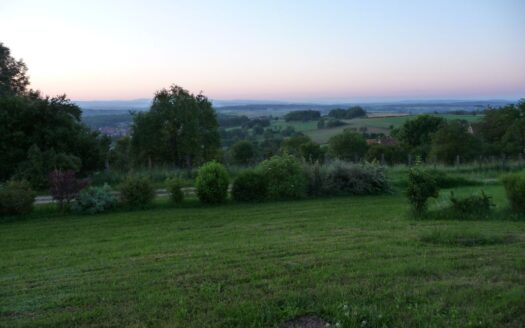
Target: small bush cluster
x=285 y=176
x=212 y=183
x=136 y=192
x=16 y=197
x=92 y=200
x=515 y=190
x=474 y=205
x=65 y=186
x=174 y=187
x=421 y=187
x=444 y=180
x=343 y=178
x=250 y=186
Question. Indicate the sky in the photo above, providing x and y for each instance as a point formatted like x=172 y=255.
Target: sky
x=293 y=50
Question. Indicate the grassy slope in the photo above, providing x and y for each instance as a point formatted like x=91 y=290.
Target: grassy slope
x=257 y=265
x=375 y=124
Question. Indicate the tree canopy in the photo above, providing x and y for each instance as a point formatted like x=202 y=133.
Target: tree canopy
x=13 y=78
x=180 y=128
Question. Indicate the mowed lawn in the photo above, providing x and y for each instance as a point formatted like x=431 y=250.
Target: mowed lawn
x=359 y=261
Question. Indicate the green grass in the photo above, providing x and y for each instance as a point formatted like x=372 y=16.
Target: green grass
x=349 y=260
x=373 y=125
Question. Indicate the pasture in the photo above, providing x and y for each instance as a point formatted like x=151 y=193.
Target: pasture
x=356 y=261
x=372 y=125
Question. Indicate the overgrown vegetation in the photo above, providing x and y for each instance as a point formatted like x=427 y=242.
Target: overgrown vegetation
x=16 y=197
x=136 y=192
x=212 y=183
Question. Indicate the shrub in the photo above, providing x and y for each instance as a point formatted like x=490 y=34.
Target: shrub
x=314 y=179
x=136 y=191
x=174 y=186
x=350 y=179
x=16 y=197
x=250 y=186
x=93 y=200
x=444 y=180
x=212 y=183
x=65 y=187
x=473 y=205
x=421 y=186
x=285 y=177
x=515 y=190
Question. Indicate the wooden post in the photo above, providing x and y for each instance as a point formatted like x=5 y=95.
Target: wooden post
x=382 y=159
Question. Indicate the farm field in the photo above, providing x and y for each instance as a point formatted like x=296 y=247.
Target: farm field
x=372 y=124
x=359 y=261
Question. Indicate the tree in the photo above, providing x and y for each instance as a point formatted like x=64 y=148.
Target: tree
x=503 y=129
x=453 y=139
x=243 y=152
x=293 y=144
x=348 y=146
x=13 y=78
x=51 y=126
x=348 y=114
x=391 y=154
x=416 y=134
x=180 y=128
x=312 y=152
x=303 y=115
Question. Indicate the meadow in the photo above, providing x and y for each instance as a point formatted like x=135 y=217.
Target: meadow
x=372 y=125
x=353 y=261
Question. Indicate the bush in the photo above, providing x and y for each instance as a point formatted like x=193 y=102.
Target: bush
x=446 y=181
x=515 y=190
x=212 y=183
x=16 y=197
x=250 y=186
x=474 y=205
x=421 y=186
x=285 y=177
x=174 y=186
x=93 y=200
x=136 y=191
x=65 y=187
x=342 y=178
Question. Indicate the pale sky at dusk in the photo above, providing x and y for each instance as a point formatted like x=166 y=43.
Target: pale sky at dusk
x=280 y=50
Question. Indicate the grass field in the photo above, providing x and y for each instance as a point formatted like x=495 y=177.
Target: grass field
x=373 y=124
x=359 y=261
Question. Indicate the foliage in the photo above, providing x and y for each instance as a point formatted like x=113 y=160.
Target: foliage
x=312 y=152
x=302 y=115
x=120 y=154
x=136 y=192
x=341 y=178
x=286 y=179
x=64 y=186
x=444 y=180
x=243 y=152
x=416 y=134
x=13 y=78
x=49 y=125
x=474 y=205
x=453 y=139
x=180 y=129
x=212 y=183
x=515 y=190
x=16 y=197
x=392 y=154
x=347 y=114
x=421 y=186
x=503 y=129
x=38 y=165
x=292 y=145
x=250 y=186
x=348 y=146
x=92 y=200
x=174 y=187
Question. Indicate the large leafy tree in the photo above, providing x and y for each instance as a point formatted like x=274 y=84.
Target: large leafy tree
x=503 y=129
x=180 y=128
x=40 y=133
x=416 y=134
x=348 y=146
x=453 y=139
x=13 y=78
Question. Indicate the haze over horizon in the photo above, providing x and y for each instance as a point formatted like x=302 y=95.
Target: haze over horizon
x=295 y=51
